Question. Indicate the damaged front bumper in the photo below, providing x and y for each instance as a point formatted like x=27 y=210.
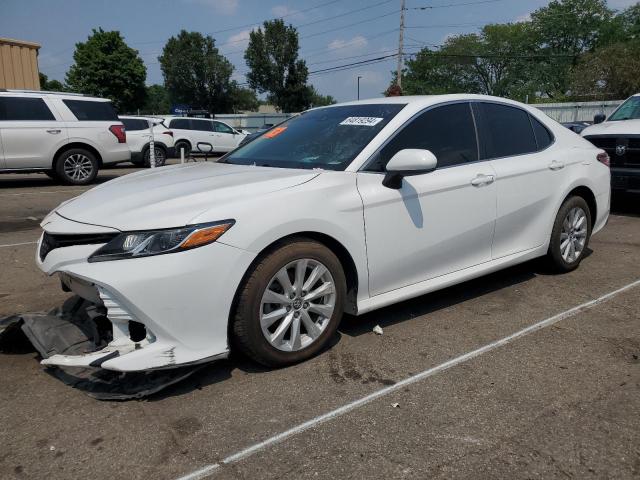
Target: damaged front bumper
x=164 y=311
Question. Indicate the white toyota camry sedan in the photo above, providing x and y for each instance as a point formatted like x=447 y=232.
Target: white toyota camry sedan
x=346 y=208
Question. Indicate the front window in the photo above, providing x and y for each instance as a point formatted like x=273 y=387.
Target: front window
x=328 y=138
x=629 y=110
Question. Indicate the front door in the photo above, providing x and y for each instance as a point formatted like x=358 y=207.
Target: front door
x=438 y=222
x=226 y=137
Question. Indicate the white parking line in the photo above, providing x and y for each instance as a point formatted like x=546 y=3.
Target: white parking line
x=208 y=470
x=17 y=244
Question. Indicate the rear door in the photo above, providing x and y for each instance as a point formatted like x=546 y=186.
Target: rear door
x=528 y=175
x=202 y=132
x=30 y=132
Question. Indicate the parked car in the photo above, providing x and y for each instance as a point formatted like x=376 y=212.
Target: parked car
x=345 y=208
x=67 y=136
x=576 y=127
x=188 y=132
x=139 y=138
x=619 y=136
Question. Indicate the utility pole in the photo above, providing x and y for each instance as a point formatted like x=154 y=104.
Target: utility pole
x=400 y=44
x=359 y=77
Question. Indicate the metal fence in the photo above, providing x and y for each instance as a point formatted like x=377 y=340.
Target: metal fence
x=252 y=121
x=578 y=111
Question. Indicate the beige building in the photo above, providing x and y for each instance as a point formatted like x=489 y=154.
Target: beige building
x=19 y=64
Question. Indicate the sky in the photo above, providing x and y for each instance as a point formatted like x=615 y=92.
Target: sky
x=332 y=33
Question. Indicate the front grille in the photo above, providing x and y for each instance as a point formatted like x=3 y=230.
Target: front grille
x=623 y=151
x=53 y=241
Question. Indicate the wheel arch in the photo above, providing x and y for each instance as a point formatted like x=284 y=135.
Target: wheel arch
x=72 y=145
x=589 y=197
x=335 y=246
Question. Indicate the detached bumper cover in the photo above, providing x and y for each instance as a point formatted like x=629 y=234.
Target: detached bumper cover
x=182 y=300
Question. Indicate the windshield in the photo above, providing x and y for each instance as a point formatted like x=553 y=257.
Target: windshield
x=629 y=110
x=328 y=138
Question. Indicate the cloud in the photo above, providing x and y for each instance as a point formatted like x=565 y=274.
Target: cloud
x=348 y=46
x=223 y=7
x=239 y=40
x=620 y=4
x=525 y=17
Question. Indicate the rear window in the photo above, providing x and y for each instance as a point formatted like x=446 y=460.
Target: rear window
x=91 y=111
x=506 y=131
x=136 y=124
x=543 y=136
x=180 y=124
x=24 y=108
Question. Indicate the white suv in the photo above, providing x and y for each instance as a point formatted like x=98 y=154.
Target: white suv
x=138 y=139
x=67 y=136
x=189 y=132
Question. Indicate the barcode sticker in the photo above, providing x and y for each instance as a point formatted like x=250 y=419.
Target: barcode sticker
x=362 y=121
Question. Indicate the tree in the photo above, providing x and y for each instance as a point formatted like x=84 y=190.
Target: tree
x=195 y=73
x=157 y=102
x=610 y=72
x=106 y=66
x=274 y=67
x=567 y=28
x=495 y=62
x=244 y=99
x=319 y=100
x=50 y=85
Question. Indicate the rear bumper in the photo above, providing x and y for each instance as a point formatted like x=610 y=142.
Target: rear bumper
x=116 y=155
x=182 y=299
x=625 y=179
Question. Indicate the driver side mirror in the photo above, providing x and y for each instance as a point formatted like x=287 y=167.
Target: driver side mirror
x=410 y=161
x=599 y=118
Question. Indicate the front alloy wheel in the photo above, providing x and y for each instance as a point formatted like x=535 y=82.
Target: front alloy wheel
x=290 y=303
x=297 y=305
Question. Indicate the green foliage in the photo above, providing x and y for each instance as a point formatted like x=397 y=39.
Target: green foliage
x=569 y=48
x=106 y=66
x=50 y=85
x=319 y=100
x=274 y=67
x=244 y=99
x=610 y=72
x=196 y=73
x=157 y=102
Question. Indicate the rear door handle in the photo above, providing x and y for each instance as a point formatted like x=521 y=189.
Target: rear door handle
x=482 y=179
x=556 y=165
x=54 y=131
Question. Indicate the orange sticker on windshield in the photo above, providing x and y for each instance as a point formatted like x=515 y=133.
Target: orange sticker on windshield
x=275 y=132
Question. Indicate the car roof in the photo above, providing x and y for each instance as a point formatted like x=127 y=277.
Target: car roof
x=139 y=117
x=45 y=93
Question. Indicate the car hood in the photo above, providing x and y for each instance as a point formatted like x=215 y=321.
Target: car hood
x=621 y=127
x=172 y=196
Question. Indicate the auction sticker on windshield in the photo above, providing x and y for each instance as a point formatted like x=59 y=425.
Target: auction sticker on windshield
x=362 y=121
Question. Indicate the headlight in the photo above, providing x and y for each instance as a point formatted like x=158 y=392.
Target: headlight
x=158 y=242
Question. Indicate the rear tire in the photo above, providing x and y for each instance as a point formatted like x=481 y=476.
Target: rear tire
x=76 y=166
x=182 y=144
x=161 y=156
x=570 y=235
x=306 y=285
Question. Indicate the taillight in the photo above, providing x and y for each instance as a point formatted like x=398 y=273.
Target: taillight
x=168 y=132
x=603 y=158
x=119 y=132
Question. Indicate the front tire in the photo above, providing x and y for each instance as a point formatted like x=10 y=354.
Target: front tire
x=570 y=235
x=77 y=167
x=290 y=305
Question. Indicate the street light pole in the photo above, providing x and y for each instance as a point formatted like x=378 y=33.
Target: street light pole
x=359 y=77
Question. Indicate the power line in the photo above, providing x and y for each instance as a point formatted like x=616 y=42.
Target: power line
x=429 y=7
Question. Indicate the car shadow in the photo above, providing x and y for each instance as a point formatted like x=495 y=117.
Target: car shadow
x=43 y=181
x=353 y=326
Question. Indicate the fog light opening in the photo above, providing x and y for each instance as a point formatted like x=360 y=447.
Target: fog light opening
x=137 y=331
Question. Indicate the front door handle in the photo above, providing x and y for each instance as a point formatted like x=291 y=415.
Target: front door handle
x=482 y=179
x=556 y=165
x=54 y=131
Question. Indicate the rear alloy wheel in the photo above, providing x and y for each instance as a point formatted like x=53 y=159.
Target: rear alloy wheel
x=161 y=157
x=571 y=234
x=290 y=305
x=77 y=167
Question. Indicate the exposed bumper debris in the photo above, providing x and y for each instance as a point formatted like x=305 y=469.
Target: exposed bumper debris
x=79 y=327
